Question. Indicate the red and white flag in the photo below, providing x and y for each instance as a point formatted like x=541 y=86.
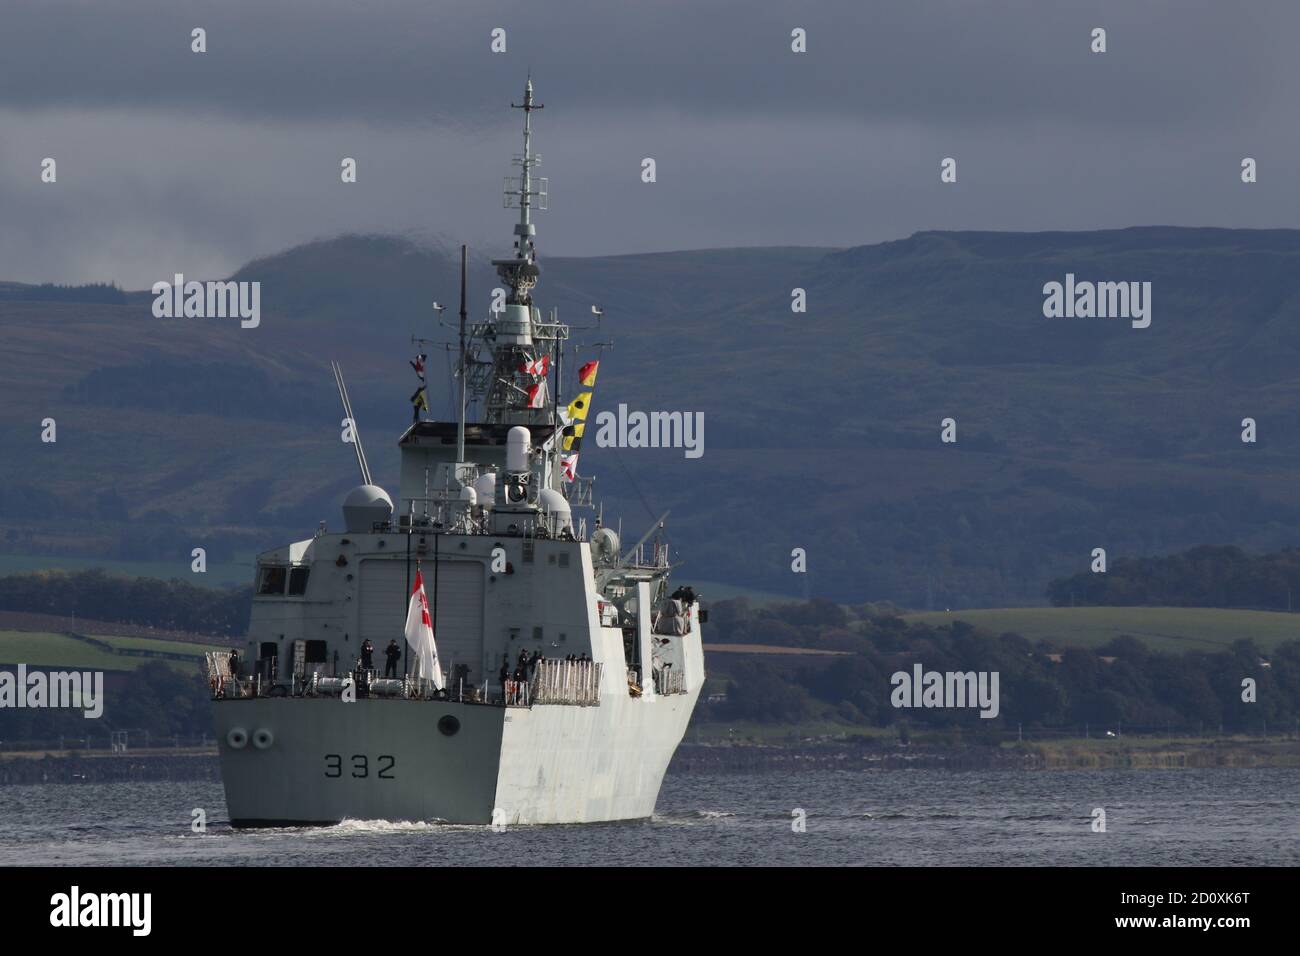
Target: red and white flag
x=570 y=465
x=537 y=395
x=419 y=634
x=537 y=366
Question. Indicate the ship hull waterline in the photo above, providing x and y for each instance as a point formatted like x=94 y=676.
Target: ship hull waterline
x=318 y=762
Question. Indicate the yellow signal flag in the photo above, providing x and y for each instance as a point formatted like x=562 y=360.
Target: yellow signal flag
x=573 y=436
x=578 y=407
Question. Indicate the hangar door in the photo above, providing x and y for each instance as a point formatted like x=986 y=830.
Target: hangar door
x=457 y=625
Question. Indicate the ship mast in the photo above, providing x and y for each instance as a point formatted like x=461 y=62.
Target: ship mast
x=524 y=229
x=460 y=426
x=521 y=273
x=517 y=333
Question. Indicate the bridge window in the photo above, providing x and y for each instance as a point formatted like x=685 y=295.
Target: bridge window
x=271 y=579
x=298 y=580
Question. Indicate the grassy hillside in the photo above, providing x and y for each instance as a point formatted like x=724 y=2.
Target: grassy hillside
x=822 y=428
x=236 y=572
x=1171 y=629
x=60 y=650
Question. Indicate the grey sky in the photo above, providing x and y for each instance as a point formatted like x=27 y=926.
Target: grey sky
x=171 y=161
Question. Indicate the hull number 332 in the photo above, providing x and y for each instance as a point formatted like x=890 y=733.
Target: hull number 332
x=359 y=766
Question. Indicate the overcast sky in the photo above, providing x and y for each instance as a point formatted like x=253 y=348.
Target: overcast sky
x=171 y=161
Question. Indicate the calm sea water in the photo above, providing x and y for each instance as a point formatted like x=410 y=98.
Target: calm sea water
x=904 y=817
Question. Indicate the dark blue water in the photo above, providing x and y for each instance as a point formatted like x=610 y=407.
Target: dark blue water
x=872 y=817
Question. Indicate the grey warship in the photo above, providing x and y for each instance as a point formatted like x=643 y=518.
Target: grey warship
x=602 y=661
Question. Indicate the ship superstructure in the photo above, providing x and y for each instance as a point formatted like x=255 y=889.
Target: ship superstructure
x=567 y=668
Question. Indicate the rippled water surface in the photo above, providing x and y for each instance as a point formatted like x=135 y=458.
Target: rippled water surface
x=908 y=817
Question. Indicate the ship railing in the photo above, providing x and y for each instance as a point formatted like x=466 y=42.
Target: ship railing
x=234 y=687
x=218 y=665
x=567 y=682
x=657 y=560
x=669 y=681
x=516 y=693
x=220 y=680
x=453 y=517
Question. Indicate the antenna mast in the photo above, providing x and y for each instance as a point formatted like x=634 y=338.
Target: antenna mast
x=528 y=193
x=356 y=432
x=460 y=430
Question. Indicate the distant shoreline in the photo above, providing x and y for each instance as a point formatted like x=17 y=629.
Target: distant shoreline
x=869 y=754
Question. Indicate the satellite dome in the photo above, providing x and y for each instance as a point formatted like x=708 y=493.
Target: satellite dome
x=604 y=546
x=485 y=487
x=555 y=508
x=364 y=507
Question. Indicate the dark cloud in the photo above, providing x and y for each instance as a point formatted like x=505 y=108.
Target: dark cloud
x=166 y=155
x=411 y=63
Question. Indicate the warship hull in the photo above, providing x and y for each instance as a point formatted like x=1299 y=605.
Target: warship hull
x=321 y=761
x=547 y=676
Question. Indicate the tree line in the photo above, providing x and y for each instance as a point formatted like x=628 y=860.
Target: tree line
x=154 y=697
x=1208 y=576
x=146 y=602
x=101 y=292
x=1121 y=683
x=1041 y=685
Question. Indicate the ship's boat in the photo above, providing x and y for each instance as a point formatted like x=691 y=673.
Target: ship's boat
x=542 y=673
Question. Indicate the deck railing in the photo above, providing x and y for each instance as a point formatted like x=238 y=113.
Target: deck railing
x=516 y=693
x=669 y=681
x=551 y=682
x=566 y=682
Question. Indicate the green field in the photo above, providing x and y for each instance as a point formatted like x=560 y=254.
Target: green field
x=1172 y=629
x=717 y=591
x=218 y=575
x=159 y=644
x=59 y=650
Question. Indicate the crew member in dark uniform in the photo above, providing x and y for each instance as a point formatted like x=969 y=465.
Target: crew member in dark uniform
x=367 y=656
x=394 y=654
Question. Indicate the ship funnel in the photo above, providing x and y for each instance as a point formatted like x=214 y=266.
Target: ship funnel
x=366 y=506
